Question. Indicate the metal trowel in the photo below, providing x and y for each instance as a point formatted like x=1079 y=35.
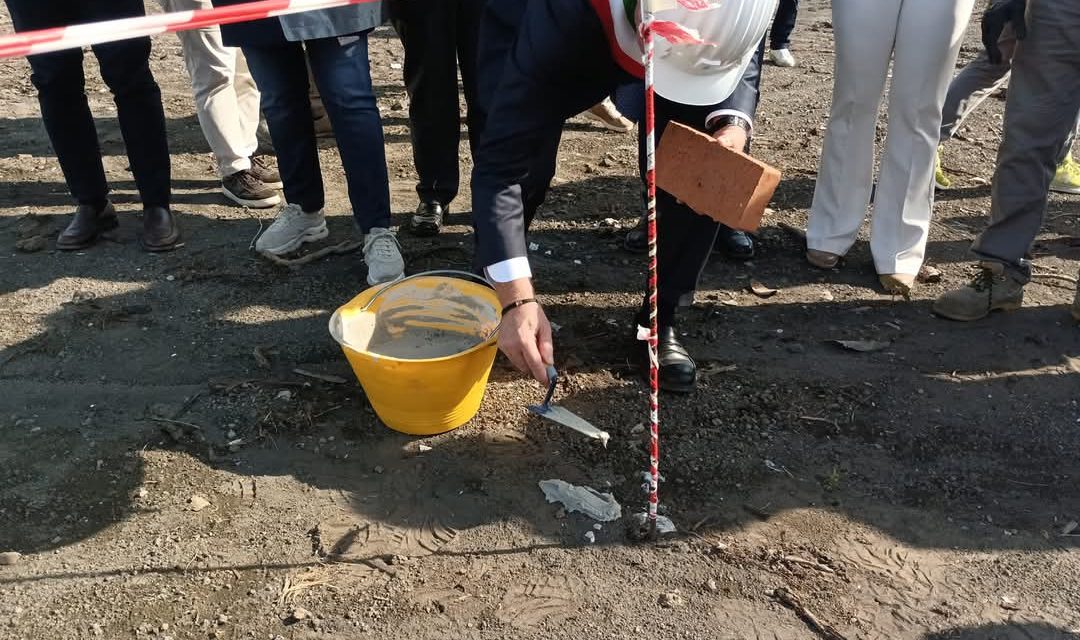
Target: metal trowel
x=563 y=416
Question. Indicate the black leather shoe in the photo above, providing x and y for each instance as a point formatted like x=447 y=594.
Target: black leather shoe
x=733 y=244
x=86 y=227
x=678 y=371
x=160 y=231
x=428 y=219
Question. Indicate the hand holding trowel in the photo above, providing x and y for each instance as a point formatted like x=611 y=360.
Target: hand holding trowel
x=564 y=416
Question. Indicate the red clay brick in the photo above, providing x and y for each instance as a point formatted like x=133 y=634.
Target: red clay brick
x=725 y=185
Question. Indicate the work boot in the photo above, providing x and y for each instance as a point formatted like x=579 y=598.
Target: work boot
x=87 y=226
x=246 y=190
x=292 y=228
x=991 y=289
x=941 y=179
x=609 y=117
x=265 y=171
x=428 y=219
x=1067 y=177
x=383 y=257
x=160 y=231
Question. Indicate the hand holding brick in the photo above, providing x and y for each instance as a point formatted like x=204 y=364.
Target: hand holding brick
x=727 y=186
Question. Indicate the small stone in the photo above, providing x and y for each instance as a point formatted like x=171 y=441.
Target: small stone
x=230 y=434
x=378 y=469
x=9 y=558
x=597 y=526
x=170 y=278
x=142 y=493
x=590 y=537
x=223 y=619
x=299 y=613
x=711 y=585
x=395 y=65
x=284 y=395
x=197 y=503
x=33 y=244
x=671 y=600
x=96 y=629
x=610 y=222
x=534 y=246
x=164 y=626
x=827 y=296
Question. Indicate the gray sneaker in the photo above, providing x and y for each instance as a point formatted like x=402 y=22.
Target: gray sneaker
x=991 y=289
x=292 y=228
x=382 y=253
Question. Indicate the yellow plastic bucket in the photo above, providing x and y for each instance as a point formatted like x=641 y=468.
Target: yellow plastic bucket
x=421 y=386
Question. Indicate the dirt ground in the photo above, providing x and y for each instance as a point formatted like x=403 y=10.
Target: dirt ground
x=919 y=491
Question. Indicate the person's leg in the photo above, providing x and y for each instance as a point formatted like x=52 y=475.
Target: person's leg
x=864 y=35
x=1041 y=108
x=344 y=79
x=468 y=43
x=783 y=24
x=977 y=81
x=125 y=68
x=281 y=75
x=928 y=40
x=58 y=78
x=428 y=32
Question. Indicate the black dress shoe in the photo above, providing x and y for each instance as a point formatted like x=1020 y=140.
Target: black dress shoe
x=428 y=219
x=733 y=244
x=678 y=371
x=160 y=231
x=86 y=227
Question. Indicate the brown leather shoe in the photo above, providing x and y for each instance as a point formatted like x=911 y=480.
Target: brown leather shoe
x=86 y=227
x=160 y=231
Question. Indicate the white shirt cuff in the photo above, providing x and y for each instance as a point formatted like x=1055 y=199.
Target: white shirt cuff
x=507 y=270
x=730 y=112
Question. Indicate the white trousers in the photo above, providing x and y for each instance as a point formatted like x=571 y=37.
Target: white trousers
x=922 y=37
x=226 y=98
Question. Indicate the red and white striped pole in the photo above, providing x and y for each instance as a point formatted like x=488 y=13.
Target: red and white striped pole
x=650 y=187
x=28 y=43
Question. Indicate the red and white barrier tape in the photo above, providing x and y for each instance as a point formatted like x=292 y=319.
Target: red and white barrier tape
x=30 y=43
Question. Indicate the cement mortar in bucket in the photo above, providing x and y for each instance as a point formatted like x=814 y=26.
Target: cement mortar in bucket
x=422 y=348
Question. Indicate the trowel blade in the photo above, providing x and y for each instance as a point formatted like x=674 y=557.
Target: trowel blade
x=569 y=419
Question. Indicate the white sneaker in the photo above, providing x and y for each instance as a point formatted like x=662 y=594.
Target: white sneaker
x=292 y=228
x=382 y=253
x=782 y=57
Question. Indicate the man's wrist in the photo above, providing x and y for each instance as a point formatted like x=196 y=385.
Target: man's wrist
x=514 y=290
x=728 y=120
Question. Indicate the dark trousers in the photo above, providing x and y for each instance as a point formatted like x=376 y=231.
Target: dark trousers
x=125 y=68
x=438 y=36
x=560 y=65
x=343 y=77
x=783 y=24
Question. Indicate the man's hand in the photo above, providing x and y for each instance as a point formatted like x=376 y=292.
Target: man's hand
x=997 y=15
x=525 y=334
x=732 y=136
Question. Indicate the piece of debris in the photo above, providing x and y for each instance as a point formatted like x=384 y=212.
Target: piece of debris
x=197 y=503
x=1069 y=528
x=379 y=469
x=284 y=395
x=1009 y=603
x=824 y=568
x=760 y=290
x=777 y=468
x=299 y=613
x=33 y=244
x=141 y=493
x=590 y=537
x=671 y=600
x=711 y=586
x=534 y=246
x=586 y=500
x=790 y=600
x=929 y=275
x=260 y=358
x=325 y=377
x=10 y=558
x=610 y=222
x=862 y=346
x=827 y=295
x=664 y=525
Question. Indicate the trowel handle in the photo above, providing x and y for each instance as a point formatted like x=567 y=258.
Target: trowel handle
x=553 y=379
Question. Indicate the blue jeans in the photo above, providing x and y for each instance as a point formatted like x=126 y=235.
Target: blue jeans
x=343 y=77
